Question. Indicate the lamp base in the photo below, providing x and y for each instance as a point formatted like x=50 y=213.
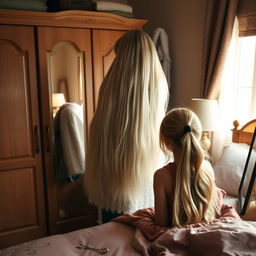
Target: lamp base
x=205 y=141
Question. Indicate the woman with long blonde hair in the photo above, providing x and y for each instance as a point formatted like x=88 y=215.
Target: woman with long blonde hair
x=185 y=191
x=123 y=149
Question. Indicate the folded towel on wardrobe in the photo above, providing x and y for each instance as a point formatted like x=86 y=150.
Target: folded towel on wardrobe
x=86 y=5
x=111 y=6
x=32 y=5
x=123 y=14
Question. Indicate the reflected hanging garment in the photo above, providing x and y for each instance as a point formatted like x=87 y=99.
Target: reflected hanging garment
x=69 y=142
x=160 y=39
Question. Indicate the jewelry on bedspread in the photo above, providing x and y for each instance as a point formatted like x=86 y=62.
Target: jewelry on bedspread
x=99 y=250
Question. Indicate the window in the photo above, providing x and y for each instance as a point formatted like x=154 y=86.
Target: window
x=238 y=87
x=246 y=76
x=237 y=100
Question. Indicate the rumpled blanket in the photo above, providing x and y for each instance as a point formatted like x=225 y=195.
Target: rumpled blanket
x=227 y=235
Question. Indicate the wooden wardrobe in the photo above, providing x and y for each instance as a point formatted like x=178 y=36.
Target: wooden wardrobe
x=42 y=54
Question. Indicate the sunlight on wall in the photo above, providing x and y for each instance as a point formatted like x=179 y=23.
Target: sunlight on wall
x=246 y=78
x=238 y=86
x=237 y=100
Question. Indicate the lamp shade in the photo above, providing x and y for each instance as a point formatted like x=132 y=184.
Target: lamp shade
x=206 y=110
x=58 y=99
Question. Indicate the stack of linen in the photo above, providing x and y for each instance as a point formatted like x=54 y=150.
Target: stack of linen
x=87 y=5
x=32 y=5
x=124 y=10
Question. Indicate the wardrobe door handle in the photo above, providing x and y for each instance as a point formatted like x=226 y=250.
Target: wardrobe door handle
x=48 y=138
x=36 y=138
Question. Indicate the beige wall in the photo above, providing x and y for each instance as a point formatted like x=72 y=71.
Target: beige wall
x=183 y=21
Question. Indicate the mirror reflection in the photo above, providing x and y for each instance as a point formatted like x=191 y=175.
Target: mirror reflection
x=65 y=69
x=66 y=72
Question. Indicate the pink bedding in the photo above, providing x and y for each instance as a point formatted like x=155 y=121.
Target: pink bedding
x=115 y=236
x=136 y=234
x=227 y=235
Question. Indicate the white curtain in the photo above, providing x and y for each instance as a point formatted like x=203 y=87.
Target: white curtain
x=231 y=97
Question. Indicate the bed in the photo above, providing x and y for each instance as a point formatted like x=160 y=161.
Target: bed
x=136 y=234
x=229 y=168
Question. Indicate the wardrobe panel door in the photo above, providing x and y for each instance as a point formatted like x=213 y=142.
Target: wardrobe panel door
x=17 y=185
x=22 y=211
x=65 y=71
x=103 y=55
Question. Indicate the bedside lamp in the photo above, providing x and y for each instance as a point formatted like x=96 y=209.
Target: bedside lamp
x=206 y=110
x=58 y=99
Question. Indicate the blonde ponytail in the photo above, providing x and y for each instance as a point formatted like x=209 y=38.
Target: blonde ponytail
x=194 y=199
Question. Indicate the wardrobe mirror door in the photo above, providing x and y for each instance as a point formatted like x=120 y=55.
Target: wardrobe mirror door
x=65 y=65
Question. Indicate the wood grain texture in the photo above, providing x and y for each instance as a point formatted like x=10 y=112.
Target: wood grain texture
x=103 y=55
x=22 y=214
x=72 y=18
x=26 y=39
x=60 y=197
x=244 y=134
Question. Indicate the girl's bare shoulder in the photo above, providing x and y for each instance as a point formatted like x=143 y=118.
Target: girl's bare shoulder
x=165 y=174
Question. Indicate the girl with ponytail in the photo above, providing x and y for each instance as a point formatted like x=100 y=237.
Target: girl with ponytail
x=185 y=191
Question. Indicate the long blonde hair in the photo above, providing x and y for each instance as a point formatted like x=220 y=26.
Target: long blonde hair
x=194 y=198
x=123 y=148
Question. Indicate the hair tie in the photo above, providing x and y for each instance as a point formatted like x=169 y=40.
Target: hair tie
x=187 y=128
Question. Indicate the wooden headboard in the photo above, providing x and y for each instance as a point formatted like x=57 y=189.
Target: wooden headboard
x=243 y=135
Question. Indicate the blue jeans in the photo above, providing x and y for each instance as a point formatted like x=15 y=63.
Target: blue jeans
x=109 y=215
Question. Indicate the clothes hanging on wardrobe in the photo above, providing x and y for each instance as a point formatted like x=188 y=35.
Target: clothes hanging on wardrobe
x=69 y=142
x=160 y=39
